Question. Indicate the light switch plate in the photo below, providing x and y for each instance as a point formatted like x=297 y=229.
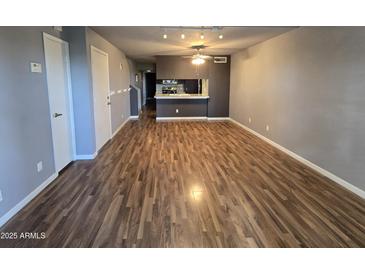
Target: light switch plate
x=36 y=67
x=1 y=196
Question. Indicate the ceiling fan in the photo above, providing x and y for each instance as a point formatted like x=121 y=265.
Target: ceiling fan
x=198 y=57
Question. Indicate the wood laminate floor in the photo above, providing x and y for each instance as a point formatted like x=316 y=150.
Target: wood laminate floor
x=190 y=184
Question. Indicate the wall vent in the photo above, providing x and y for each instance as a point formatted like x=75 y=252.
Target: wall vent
x=220 y=59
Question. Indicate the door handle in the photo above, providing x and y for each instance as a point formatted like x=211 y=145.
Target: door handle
x=55 y=115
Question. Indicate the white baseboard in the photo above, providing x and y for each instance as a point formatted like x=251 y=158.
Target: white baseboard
x=308 y=163
x=86 y=156
x=26 y=200
x=134 y=117
x=180 y=118
x=193 y=118
x=218 y=118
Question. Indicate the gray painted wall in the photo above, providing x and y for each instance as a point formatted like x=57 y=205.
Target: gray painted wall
x=25 y=125
x=132 y=73
x=134 y=93
x=134 y=101
x=176 y=67
x=81 y=90
x=219 y=76
x=308 y=85
x=119 y=79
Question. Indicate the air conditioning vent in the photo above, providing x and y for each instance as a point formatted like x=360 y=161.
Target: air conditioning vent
x=220 y=59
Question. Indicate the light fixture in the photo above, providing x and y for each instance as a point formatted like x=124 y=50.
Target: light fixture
x=182 y=36
x=165 y=36
x=220 y=36
x=202 y=36
x=198 y=61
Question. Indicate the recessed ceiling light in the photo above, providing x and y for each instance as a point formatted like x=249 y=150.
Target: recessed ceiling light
x=220 y=36
x=183 y=36
x=202 y=36
x=165 y=36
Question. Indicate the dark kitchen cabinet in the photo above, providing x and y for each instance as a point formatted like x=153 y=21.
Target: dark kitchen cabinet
x=191 y=86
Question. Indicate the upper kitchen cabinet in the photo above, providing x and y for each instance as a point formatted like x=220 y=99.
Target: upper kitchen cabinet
x=176 y=67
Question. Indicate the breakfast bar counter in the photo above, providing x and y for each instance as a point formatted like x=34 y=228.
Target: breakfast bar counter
x=181 y=106
x=181 y=96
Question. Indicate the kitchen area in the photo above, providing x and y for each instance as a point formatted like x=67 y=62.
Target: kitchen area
x=185 y=90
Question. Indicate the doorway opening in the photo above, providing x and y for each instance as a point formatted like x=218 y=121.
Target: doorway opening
x=150 y=81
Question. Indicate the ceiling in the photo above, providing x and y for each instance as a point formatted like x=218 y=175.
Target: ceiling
x=144 y=43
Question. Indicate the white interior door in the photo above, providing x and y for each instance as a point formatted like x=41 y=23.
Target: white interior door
x=100 y=78
x=59 y=92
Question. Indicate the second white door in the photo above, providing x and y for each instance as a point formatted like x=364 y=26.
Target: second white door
x=100 y=79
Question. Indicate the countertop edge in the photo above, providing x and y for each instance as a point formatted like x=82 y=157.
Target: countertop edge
x=181 y=97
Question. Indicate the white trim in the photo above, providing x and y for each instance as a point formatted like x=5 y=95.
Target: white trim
x=86 y=156
x=99 y=50
x=71 y=102
x=120 y=127
x=308 y=163
x=134 y=117
x=7 y=216
x=54 y=38
x=180 y=118
x=218 y=118
x=69 y=94
x=109 y=108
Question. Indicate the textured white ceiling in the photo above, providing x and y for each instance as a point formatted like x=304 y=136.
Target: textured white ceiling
x=143 y=43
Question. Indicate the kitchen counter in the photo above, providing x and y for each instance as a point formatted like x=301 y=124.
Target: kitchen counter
x=181 y=96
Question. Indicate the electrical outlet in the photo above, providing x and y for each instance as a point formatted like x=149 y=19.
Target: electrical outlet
x=122 y=116
x=249 y=120
x=177 y=110
x=40 y=166
x=1 y=196
x=267 y=128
